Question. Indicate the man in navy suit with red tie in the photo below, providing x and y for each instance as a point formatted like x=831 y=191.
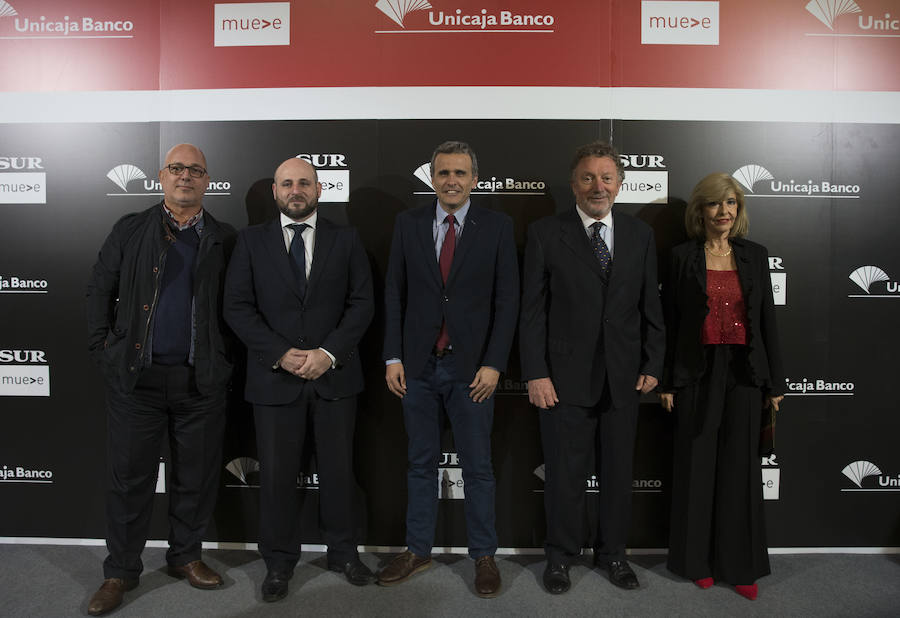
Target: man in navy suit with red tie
x=451 y=299
x=299 y=295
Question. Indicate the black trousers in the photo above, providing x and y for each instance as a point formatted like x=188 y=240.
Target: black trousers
x=576 y=441
x=717 y=525
x=280 y=435
x=165 y=402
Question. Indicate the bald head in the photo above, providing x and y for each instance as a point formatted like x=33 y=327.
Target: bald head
x=296 y=189
x=182 y=150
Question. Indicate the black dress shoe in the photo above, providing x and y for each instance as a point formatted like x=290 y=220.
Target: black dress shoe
x=275 y=585
x=355 y=571
x=621 y=575
x=556 y=578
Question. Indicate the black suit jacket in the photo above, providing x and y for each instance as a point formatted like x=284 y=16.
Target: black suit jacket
x=574 y=325
x=686 y=308
x=480 y=301
x=264 y=307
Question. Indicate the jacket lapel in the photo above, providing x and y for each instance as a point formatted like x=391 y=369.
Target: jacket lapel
x=425 y=233
x=325 y=235
x=743 y=267
x=274 y=240
x=573 y=236
x=465 y=242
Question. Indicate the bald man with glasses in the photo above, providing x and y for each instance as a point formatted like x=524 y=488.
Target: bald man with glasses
x=154 y=306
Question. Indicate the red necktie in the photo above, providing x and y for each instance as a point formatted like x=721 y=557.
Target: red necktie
x=444 y=261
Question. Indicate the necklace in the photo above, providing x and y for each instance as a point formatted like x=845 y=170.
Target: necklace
x=709 y=251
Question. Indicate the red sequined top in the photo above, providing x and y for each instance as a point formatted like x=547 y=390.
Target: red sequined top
x=727 y=318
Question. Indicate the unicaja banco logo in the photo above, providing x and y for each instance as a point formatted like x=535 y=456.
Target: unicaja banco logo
x=397 y=10
x=6 y=9
x=865 y=276
x=487 y=186
x=121 y=175
x=859 y=470
x=752 y=177
x=826 y=10
x=241 y=467
x=749 y=175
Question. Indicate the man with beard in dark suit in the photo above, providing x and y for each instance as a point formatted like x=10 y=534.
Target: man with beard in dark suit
x=299 y=295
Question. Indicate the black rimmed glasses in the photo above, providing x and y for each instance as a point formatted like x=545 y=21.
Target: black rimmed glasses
x=177 y=169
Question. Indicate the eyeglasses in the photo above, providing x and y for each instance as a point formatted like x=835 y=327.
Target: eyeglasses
x=177 y=169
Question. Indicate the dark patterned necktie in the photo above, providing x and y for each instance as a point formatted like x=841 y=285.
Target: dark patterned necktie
x=298 y=255
x=600 y=248
x=444 y=261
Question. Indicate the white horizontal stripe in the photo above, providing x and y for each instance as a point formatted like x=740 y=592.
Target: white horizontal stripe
x=488 y=102
x=31 y=540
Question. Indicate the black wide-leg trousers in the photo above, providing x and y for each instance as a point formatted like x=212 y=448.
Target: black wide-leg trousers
x=717 y=526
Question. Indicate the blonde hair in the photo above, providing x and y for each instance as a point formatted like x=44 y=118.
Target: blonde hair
x=714 y=188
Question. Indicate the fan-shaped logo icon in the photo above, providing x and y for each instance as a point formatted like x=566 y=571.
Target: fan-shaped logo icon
x=826 y=10
x=397 y=10
x=423 y=173
x=749 y=175
x=858 y=470
x=865 y=276
x=6 y=9
x=121 y=175
x=240 y=467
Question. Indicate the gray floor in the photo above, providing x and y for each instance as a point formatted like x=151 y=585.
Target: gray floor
x=47 y=580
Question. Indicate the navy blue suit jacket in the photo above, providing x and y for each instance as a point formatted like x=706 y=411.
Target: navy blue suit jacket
x=480 y=301
x=264 y=308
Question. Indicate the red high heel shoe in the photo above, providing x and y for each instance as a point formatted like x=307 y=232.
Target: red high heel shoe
x=706 y=582
x=748 y=592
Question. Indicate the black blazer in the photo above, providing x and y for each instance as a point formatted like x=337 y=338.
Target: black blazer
x=264 y=307
x=686 y=308
x=480 y=301
x=574 y=326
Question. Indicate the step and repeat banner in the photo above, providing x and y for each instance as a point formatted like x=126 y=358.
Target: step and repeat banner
x=819 y=194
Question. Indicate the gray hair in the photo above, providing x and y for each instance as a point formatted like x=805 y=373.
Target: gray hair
x=454 y=147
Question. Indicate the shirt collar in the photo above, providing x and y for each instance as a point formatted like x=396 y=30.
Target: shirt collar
x=459 y=215
x=195 y=220
x=587 y=221
x=311 y=221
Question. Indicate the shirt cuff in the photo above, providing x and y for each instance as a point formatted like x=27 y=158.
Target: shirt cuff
x=331 y=356
x=392 y=361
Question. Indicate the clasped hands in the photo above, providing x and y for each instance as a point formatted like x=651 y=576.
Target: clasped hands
x=306 y=364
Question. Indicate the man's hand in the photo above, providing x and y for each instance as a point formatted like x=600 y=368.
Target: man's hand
x=668 y=401
x=317 y=363
x=645 y=383
x=395 y=378
x=773 y=402
x=292 y=360
x=484 y=384
x=541 y=393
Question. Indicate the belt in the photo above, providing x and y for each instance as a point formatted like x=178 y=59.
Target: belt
x=441 y=353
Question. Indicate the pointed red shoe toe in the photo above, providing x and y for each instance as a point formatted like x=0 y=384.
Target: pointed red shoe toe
x=706 y=582
x=748 y=592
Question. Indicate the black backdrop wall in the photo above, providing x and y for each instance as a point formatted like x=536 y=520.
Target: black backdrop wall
x=820 y=197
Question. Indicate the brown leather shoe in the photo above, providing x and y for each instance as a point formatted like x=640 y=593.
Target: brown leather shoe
x=402 y=567
x=110 y=595
x=487 y=577
x=198 y=575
